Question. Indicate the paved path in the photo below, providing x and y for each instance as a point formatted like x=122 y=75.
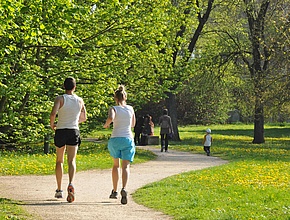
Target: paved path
x=93 y=189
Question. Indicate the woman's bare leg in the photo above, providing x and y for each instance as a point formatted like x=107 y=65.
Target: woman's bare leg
x=125 y=172
x=115 y=173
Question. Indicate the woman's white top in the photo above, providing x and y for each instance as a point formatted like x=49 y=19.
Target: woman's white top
x=122 y=123
x=69 y=113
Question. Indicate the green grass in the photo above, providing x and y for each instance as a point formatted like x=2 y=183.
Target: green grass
x=254 y=185
x=12 y=210
x=90 y=156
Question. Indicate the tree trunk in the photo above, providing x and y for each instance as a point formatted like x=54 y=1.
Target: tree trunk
x=2 y=103
x=172 y=111
x=259 y=123
x=256 y=20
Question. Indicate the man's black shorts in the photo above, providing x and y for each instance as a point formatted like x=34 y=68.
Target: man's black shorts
x=67 y=137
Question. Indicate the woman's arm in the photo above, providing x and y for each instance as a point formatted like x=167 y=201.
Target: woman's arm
x=133 y=120
x=111 y=116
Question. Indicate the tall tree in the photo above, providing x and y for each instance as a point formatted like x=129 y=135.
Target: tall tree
x=185 y=48
x=258 y=67
x=259 y=51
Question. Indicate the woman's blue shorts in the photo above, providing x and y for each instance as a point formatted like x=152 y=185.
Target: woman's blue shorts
x=122 y=147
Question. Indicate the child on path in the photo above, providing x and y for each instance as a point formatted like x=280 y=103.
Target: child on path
x=121 y=144
x=207 y=141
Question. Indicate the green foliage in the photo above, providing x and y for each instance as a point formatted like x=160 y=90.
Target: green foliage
x=205 y=97
x=101 y=47
x=106 y=43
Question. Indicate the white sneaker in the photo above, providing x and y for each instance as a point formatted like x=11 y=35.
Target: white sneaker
x=58 y=194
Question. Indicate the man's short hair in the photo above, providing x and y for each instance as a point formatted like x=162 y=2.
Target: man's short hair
x=69 y=83
x=165 y=112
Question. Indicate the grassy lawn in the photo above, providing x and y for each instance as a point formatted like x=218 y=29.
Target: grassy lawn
x=254 y=185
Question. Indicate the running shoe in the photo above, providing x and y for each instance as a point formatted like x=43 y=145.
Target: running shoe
x=58 y=194
x=124 y=196
x=70 y=193
x=113 y=195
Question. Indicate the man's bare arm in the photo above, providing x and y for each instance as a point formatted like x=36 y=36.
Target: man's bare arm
x=83 y=115
x=55 y=108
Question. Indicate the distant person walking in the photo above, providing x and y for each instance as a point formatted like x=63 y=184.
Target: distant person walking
x=71 y=111
x=165 y=129
x=121 y=144
x=207 y=141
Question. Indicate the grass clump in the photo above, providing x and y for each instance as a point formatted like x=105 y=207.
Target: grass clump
x=12 y=210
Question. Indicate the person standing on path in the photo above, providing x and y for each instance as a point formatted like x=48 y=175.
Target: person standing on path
x=138 y=130
x=121 y=143
x=71 y=111
x=207 y=141
x=165 y=129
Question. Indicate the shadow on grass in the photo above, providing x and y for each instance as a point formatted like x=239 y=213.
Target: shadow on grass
x=268 y=132
x=276 y=149
x=6 y=201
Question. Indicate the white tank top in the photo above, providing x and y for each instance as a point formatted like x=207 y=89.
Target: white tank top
x=122 y=123
x=69 y=113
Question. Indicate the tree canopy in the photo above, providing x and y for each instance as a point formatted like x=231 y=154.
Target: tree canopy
x=204 y=57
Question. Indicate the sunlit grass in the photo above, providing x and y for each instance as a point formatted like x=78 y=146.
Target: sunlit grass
x=12 y=210
x=254 y=185
x=13 y=163
x=90 y=156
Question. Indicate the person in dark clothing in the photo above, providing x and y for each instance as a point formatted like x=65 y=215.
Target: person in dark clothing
x=148 y=129
x=148 y=126
x=166 y=129
x=138 y=130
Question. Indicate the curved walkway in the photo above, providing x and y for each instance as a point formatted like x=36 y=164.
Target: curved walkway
x=93 y=189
